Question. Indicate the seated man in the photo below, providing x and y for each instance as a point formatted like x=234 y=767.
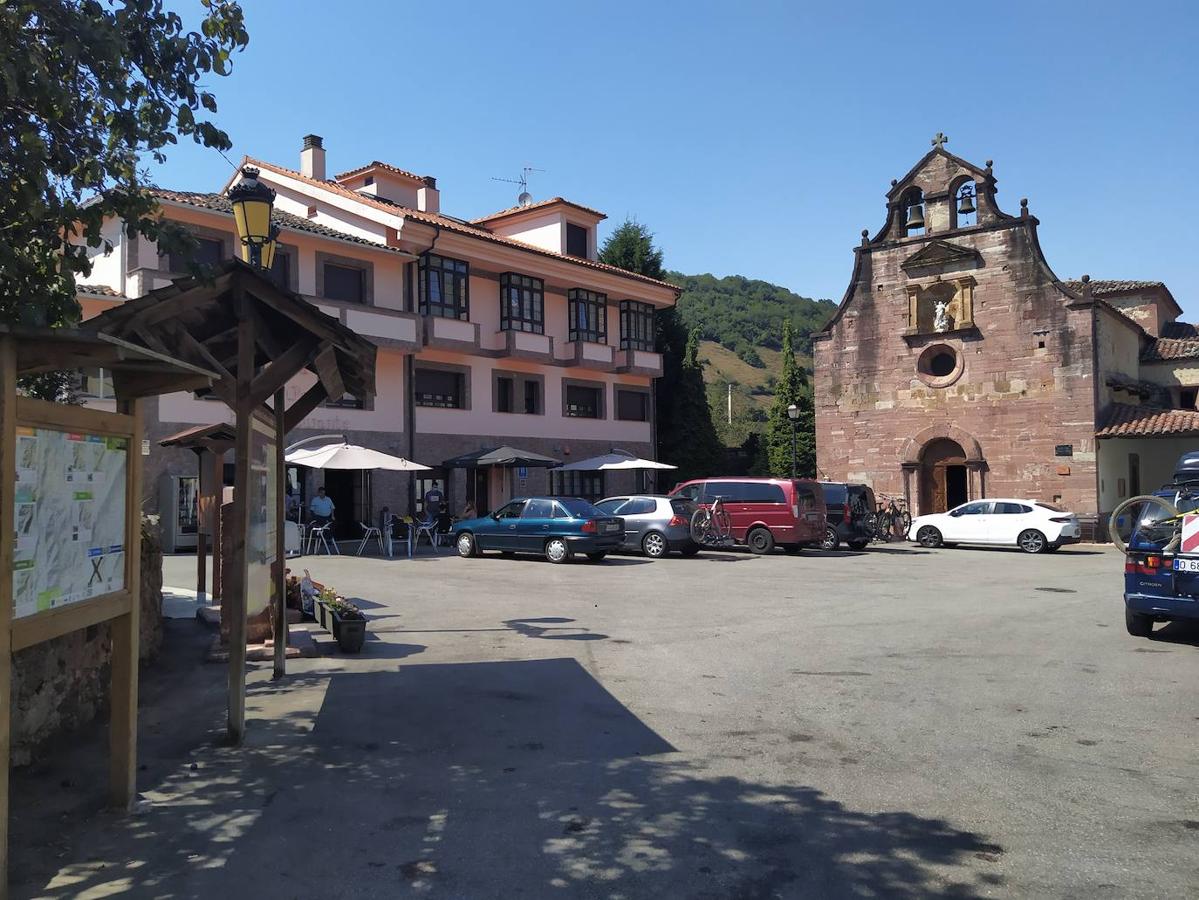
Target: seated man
x=321 y=508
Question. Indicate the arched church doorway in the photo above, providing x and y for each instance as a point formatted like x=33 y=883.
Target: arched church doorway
x=943 y=479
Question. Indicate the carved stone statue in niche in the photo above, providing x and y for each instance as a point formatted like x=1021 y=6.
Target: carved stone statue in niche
x=941 y=306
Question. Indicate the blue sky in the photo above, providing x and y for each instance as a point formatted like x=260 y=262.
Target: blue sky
x=752 y=138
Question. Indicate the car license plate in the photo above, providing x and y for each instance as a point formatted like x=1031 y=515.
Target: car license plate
x=1186 y=565
x=612 y=526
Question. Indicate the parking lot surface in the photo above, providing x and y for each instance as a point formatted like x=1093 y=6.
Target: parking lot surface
x=897 y=722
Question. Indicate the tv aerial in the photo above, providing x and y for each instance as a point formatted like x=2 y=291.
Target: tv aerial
x=524 y=198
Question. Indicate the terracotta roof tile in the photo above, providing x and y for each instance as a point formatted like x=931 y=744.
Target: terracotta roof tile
x=513 y=210
x=100 y=290
x=386 y=167
x=1101 y=287
x=455 y=225
x=1180 y=330
x=220 y=203
x=1166 y=349
x=1123 y=420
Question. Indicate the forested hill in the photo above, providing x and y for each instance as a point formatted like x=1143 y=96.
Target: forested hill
x=743 y=314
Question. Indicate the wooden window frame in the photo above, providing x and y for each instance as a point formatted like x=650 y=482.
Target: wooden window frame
x=636 y=325
x=531 y=320
x=460 y=272
x=596 y=305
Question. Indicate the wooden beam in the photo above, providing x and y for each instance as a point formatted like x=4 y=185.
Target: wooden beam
x=66 y=417
x=313 y=397
x=135 y=385
x=197 y=349
x=280 y=571
x=52 y=623
x=235 y=604
x=8 y=483
x=327 y=371
x=126 y=633
x=282 y=370
x=217 y=474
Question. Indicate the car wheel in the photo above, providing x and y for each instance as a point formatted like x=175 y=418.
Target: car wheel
x=556 y=550
x=929 y=536
x=760 y=540
x=858 y=545
x=654 y=545
x=1032 y=541
x=1138 y=624
x=466 y=545
x=597 y=556
x=830 y=541
x=690 y=550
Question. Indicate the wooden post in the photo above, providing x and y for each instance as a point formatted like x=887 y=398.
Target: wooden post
x=126 y=632
x=235 y=605
x=8 y=483
x=203 y=525
x=280 y=572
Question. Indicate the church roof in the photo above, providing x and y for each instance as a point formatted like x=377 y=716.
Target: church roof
x=1167 y=349
x=1123 y=420
x=1101 y=287
x=1180 y=330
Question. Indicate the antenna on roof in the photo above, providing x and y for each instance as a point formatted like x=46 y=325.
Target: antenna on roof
x=524 y=198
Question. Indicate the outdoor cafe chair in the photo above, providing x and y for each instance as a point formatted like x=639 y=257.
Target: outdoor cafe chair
x=369 y=532
x=409 y=534
x=427 y=527
x=322 y=536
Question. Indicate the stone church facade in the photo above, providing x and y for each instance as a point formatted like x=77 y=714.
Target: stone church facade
x=959 y=366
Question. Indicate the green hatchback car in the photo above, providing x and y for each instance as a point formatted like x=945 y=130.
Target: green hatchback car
x=554 y=527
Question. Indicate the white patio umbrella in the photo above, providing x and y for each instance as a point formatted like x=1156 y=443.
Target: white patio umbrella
x=617 y=459
x=351 y=456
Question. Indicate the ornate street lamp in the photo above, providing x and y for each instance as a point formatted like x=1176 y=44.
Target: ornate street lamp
x=793 y=415
x=252 y=201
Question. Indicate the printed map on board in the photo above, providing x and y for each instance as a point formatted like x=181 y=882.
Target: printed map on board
x=70 y=518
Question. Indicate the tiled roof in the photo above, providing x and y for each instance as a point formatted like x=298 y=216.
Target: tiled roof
x=1101 y=287
x=387 y=167
x=1180 y=330
x=220 y=203
x=455 y=225
x=1133 y=385
x=1123 y=420
x=1165 y=349
x=513 y=210
x=100 y=290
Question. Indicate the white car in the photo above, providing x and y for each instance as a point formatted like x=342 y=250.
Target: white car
x=1031 y=525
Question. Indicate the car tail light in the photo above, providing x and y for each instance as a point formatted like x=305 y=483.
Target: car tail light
x=845 y=514
x=1150 y=565
x=678 y=521
x=588 y=527
x=1061 y=518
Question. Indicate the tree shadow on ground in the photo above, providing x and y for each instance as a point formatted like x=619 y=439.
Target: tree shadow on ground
x=498 y=779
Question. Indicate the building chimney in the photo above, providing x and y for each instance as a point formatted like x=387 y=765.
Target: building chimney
x=312 y=157
x=428 y=198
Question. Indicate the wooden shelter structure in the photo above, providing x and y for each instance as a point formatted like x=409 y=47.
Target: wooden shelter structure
x=256 y=336
x=70 y=528
x=210 y=443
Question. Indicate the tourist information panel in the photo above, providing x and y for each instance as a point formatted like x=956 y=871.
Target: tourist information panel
x=70 y=518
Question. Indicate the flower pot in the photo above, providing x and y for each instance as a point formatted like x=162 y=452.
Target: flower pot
x=323 y=616
x=350 y=633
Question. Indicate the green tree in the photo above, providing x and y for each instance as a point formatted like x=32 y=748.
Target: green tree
x=88 y=89
x=792 y=389
x=683 y=421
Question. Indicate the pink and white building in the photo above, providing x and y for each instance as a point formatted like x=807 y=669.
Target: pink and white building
x=499 y=330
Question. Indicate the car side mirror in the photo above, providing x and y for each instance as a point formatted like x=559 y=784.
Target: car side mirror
x=956 y=513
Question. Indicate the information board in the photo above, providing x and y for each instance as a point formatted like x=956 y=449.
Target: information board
x=260 y=540
x=70 y=518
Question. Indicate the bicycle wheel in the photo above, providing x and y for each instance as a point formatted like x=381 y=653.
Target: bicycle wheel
x=904 y=520
x=722 y=525
x=1154 y=519
x=701 y=525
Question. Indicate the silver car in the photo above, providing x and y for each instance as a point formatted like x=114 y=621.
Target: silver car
x=654 y=525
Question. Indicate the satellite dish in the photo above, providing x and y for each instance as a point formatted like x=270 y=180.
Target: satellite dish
x=525 y=198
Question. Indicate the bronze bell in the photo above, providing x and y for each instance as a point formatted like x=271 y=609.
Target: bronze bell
x=915 y=216
x=967 y=205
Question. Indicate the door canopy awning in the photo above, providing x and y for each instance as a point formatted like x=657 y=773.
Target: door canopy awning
x=351 y=456
x=501 y=456
x=614 y=461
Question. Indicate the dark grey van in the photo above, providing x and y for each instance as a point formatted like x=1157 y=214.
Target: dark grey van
x=849 y=509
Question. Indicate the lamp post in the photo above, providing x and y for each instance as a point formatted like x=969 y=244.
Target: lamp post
x=252 y=201
x=793 y=415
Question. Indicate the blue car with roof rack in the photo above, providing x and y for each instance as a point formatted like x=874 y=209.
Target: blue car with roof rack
x=1161 y=569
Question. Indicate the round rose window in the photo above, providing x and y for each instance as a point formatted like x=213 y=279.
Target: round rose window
x=940 y=365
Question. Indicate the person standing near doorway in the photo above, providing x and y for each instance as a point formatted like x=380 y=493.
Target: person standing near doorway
x=433 y=501
x=321 y=507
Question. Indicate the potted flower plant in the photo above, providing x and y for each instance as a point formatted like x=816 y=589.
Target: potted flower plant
x=348 y=625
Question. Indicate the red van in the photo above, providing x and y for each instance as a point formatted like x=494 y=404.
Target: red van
x=765 y=511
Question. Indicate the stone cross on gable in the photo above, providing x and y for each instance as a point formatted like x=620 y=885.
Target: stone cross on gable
x=940 y=140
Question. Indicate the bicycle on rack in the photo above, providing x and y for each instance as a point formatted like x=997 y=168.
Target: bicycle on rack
x=711 y=525
x=890 y=519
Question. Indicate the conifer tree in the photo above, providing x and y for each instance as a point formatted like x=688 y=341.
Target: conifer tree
x=792 y=389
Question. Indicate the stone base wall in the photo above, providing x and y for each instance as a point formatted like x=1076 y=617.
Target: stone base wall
x=58 y=686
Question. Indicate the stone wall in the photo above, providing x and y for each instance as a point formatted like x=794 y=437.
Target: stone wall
x=1025 y=376
x=60 y=685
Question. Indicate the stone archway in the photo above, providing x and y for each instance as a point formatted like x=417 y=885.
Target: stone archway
x=943 y=466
